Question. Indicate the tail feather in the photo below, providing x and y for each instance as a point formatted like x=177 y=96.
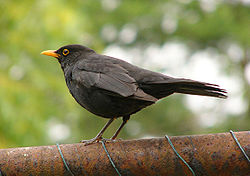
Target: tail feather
x=186 y=86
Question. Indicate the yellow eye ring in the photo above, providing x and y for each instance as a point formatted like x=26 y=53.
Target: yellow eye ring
x=65 y=52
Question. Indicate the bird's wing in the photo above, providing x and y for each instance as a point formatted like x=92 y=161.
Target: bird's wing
x=111 y=77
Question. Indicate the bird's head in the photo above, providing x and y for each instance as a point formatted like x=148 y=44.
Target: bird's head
x=68 y=53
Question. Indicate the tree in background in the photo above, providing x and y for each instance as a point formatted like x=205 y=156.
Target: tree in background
x=203 y=40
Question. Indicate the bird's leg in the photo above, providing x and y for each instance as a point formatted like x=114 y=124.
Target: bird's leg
x=99 y=135
x=125 y=119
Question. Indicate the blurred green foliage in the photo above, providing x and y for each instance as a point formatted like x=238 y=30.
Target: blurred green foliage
x=34 y=101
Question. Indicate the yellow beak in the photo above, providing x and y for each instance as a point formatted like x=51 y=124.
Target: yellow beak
x=51 y=53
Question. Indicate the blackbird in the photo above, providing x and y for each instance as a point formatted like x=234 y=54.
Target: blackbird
x=112 y=88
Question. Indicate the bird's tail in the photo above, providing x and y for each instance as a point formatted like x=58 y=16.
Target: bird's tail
x=163 y=88
x=188 y=86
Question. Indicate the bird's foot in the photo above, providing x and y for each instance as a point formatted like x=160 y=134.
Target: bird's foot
x=119 y=139
x=96 y=140
x=91 y=141
x=111 y=140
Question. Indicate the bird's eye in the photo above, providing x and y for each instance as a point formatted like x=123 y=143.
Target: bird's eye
x=65 y=52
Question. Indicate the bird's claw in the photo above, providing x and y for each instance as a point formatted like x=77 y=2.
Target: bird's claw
x=115 y=140
x=91 y=141
x=111 y=140
x=96 y=140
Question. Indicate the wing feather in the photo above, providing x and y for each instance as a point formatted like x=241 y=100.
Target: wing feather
x=107 y=76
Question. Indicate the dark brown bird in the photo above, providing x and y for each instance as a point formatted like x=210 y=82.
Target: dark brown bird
x=112 y=88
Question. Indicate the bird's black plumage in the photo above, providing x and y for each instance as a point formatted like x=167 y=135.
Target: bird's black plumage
x=111 y=88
